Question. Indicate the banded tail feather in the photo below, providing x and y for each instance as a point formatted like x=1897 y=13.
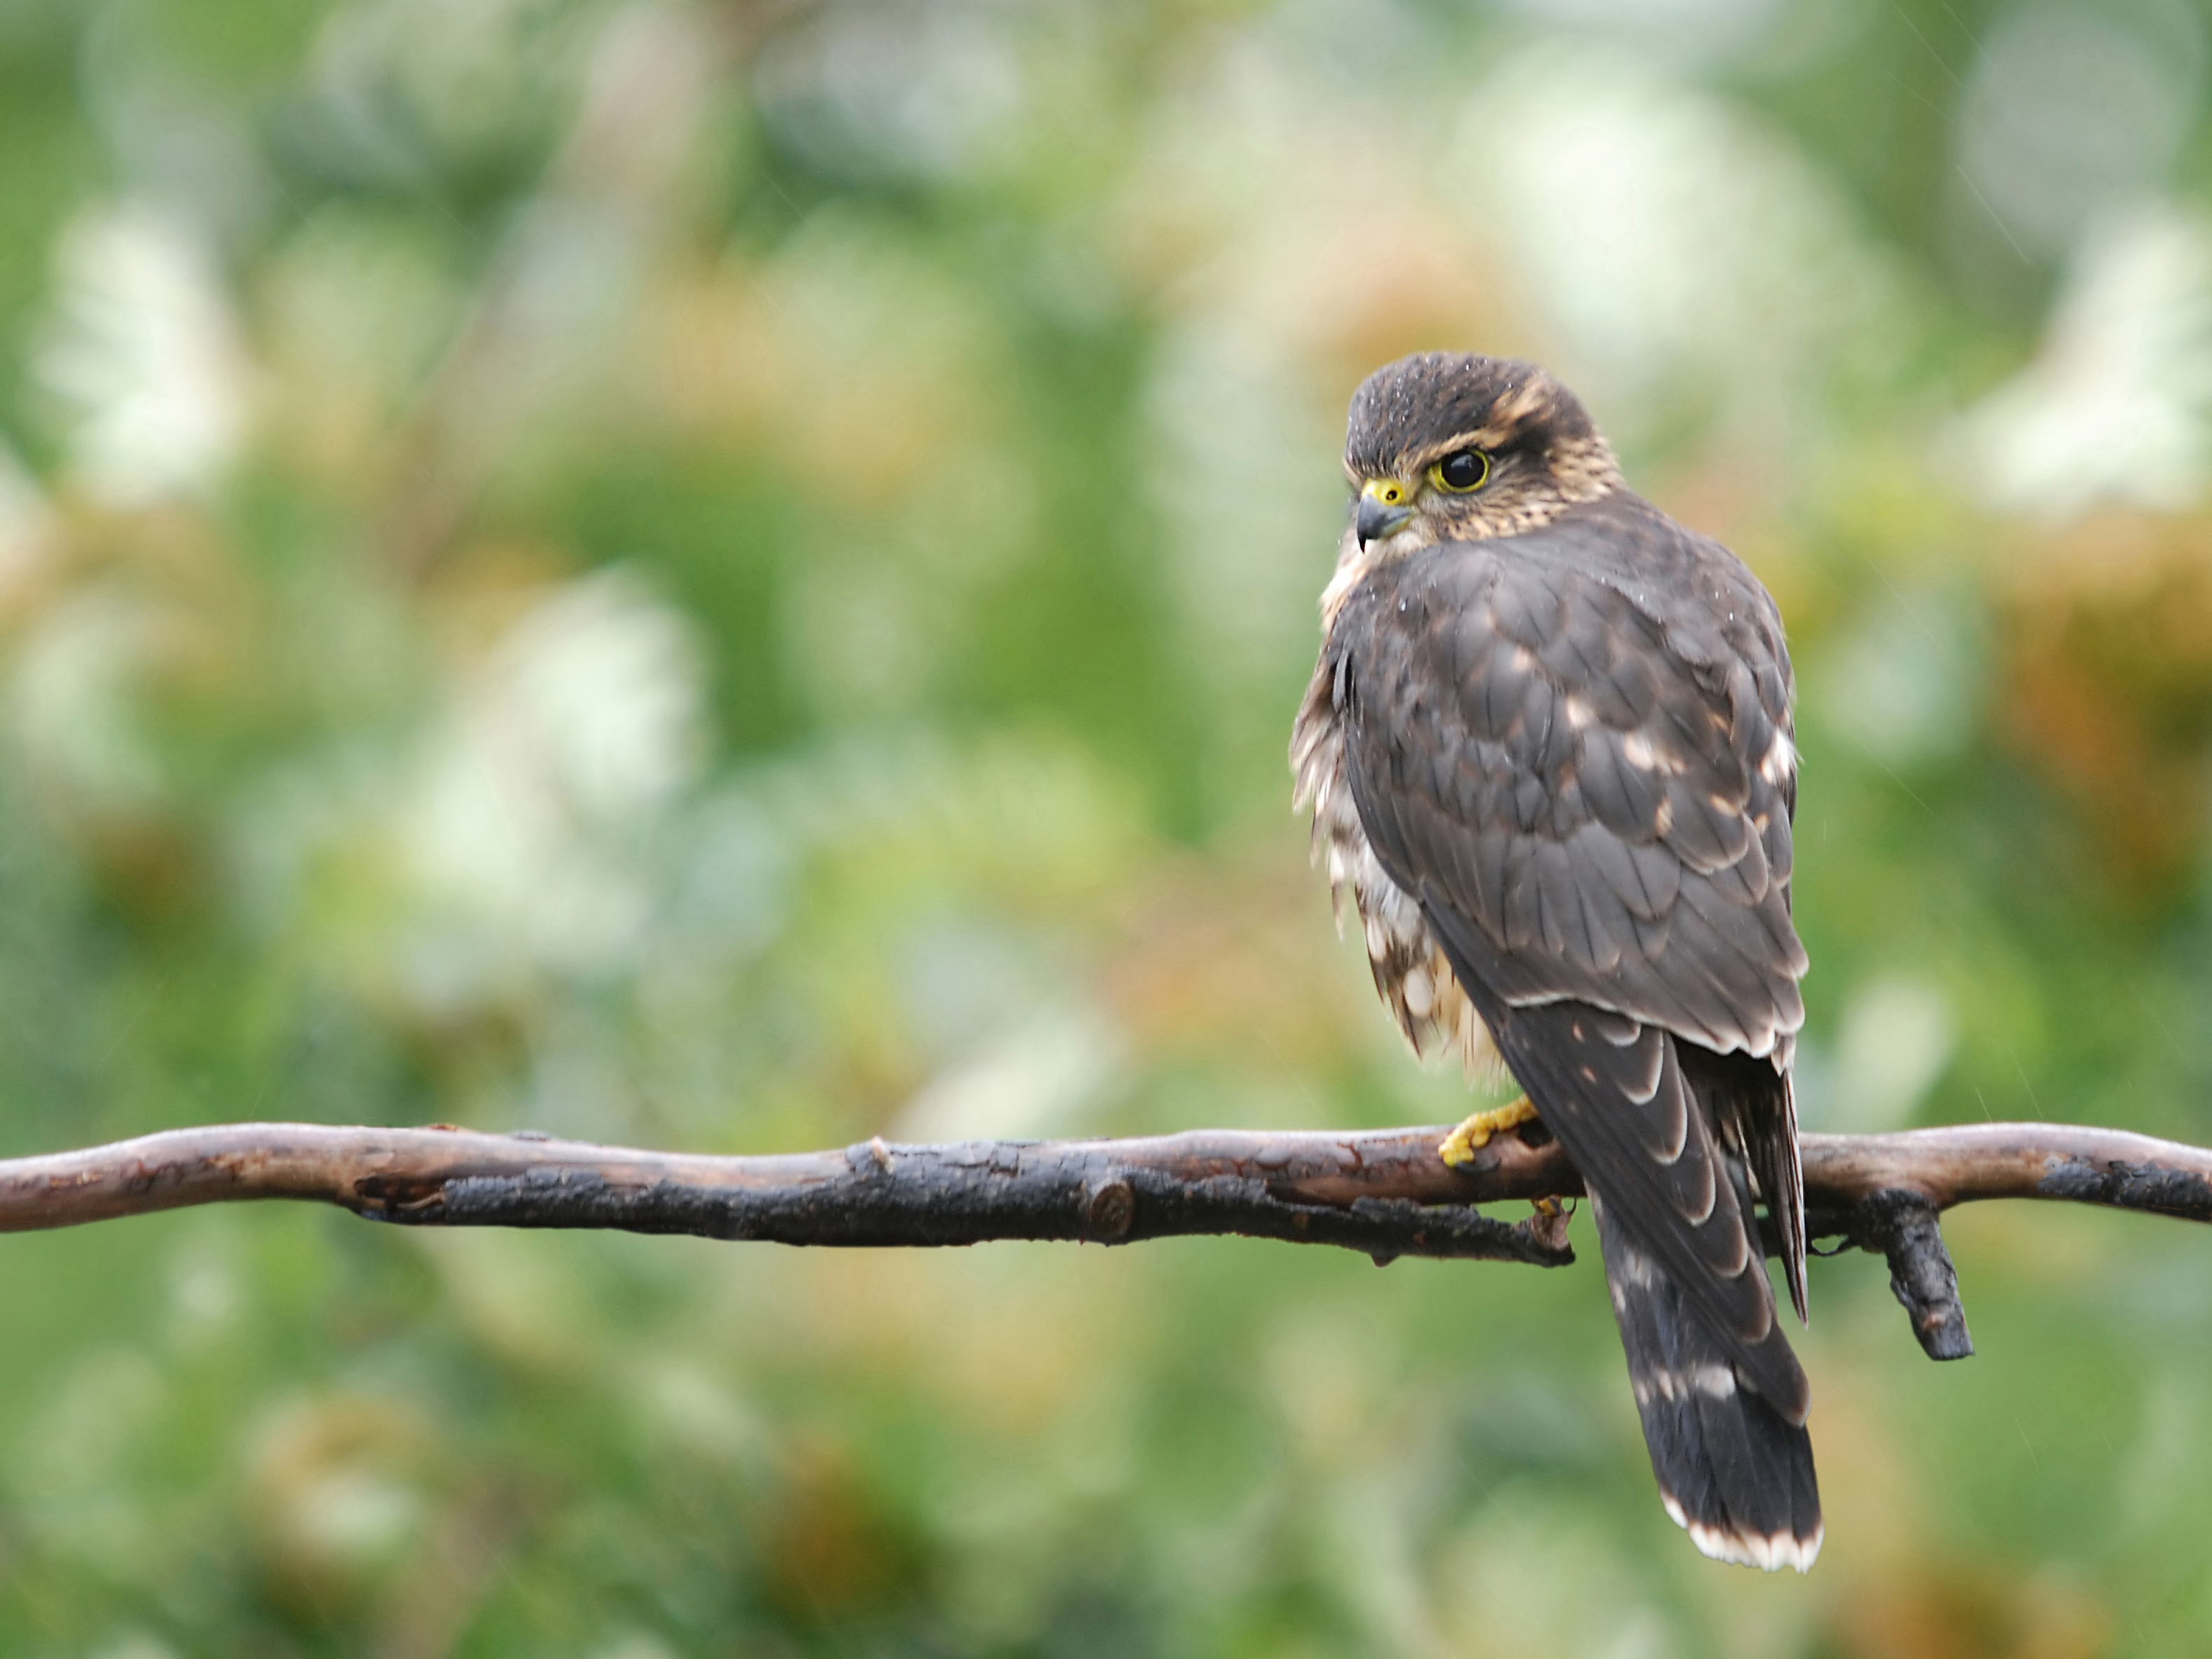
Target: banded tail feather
x=1733 y=1472
x=1721 y=1397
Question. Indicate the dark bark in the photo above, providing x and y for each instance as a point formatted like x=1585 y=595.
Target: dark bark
x=1385 y=1192
x=1902 y=1226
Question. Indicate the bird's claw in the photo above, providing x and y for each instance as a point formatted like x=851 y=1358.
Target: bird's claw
x=1461 y=1145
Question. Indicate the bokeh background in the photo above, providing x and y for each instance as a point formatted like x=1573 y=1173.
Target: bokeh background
x=735 y=577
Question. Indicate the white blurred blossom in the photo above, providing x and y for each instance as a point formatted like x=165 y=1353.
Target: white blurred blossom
x=1673 y=244
x=521 y=832
x=2073 y=109
x=2117 y=404
x=28 y=532
x=139 y=1645
x=636 y=1645
x=517 y=830
x=600 y=686
x=143 y=356
x=72 y=700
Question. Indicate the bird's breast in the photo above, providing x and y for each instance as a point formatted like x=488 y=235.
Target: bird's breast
x=1412 y=975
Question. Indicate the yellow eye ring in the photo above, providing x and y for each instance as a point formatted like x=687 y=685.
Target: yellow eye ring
x=1460 y=473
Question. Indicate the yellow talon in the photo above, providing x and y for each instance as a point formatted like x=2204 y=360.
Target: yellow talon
x=1461 y=1145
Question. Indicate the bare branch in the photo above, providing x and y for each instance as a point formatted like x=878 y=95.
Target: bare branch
x=1385 y=1193
x=1964 y=1162
x=1883 y=1192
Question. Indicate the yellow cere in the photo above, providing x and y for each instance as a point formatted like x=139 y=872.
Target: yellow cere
x=1388 y=491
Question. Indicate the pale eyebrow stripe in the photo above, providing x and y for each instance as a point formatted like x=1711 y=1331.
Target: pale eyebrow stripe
x=1484 y=438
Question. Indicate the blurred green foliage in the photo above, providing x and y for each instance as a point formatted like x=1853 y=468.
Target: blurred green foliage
x=735 y=577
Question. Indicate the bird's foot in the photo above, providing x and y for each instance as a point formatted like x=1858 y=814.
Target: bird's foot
x=1461 y=1145
x=1547 y=1225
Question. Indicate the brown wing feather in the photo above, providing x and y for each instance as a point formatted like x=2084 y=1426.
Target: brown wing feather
x=1572 y=746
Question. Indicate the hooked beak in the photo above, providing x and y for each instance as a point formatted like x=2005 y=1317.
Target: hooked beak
x=1384 y=505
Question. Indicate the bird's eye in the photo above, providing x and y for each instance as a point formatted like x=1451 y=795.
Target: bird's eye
x=1462 y=473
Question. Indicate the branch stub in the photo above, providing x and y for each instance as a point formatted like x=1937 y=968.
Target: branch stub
x=1109 y=1209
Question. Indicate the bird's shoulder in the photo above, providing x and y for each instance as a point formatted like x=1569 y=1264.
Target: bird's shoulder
x=1627 y=559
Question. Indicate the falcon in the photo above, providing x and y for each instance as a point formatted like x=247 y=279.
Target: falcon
x=1547 y=750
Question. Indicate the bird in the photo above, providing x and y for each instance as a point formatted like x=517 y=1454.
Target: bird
x=1547 y=747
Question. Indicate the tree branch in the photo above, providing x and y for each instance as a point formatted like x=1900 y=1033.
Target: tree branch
x=1385 y=1193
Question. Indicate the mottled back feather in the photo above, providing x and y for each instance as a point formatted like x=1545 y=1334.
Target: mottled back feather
x=1572 y=745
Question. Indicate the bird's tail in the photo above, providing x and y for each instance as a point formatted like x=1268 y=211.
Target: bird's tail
x=1734 y=1472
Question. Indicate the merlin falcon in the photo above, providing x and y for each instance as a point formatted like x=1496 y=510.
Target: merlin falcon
x=1548 y=749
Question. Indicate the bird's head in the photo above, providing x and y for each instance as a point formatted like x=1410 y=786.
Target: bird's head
x=1443 y=447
